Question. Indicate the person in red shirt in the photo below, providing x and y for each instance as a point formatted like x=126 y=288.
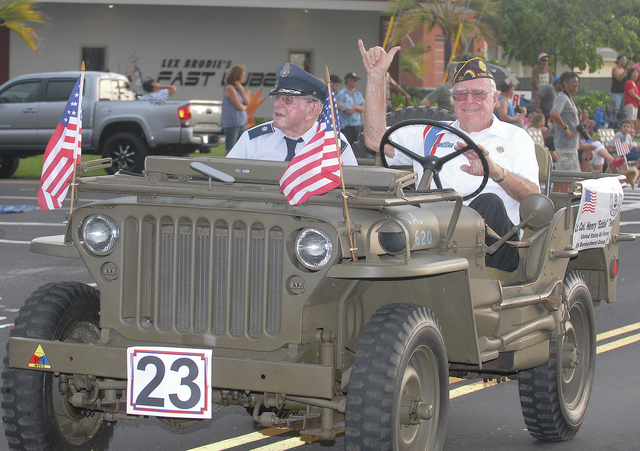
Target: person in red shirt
x=631 y=97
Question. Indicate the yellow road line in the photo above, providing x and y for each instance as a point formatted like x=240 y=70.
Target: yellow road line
x=243 y=439
x=618 y=343
x=295 y=442
x=470 y=388
x=285 y=444
x=619 y=331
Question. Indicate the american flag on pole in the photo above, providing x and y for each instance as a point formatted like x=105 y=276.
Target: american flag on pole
x=622 y=147
x=589 y=201
x=316 y=169
x=63 y=152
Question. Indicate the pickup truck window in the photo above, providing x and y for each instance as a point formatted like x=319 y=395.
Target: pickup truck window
x=59 y=90
x=21 y=92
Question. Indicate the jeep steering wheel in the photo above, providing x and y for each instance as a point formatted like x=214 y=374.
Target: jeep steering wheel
x=431 y=164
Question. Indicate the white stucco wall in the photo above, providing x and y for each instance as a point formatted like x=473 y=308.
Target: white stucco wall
x=259 y=38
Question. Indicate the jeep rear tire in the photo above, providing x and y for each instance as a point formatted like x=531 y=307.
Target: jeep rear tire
x=8 y=166
x=398 y=394
x=554 y=396
x=127 y=150
x=35 y=414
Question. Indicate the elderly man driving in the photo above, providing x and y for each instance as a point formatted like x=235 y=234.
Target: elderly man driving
x=510 y=152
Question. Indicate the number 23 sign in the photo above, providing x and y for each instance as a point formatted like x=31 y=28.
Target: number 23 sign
x=169 y=382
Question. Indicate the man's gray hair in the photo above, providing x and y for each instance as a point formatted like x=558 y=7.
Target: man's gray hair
x=494 y=89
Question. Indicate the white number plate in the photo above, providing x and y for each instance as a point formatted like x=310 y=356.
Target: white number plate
x=169 y=382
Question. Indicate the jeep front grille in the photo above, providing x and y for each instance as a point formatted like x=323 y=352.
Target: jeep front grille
x=216 y=276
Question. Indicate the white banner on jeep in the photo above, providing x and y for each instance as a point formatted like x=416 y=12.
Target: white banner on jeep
x=599 y=207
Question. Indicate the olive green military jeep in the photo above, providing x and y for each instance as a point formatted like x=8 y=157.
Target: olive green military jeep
x=347 y=313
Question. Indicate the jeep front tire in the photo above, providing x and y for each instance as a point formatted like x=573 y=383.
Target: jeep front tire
x=37 y=416
x=398 y=394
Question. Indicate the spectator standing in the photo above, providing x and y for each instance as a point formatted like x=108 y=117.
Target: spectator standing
x=545 y=97
x=565 y=120
x=541 y=74
x=441 y=96
x=631 y=96
x=618 y=76
x=352 y=107
x=504 y=108
x=234 y=105
x=336 y=81
x=156 y=91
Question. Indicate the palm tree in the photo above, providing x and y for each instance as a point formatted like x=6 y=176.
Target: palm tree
x=14 y=14
x=449 y=15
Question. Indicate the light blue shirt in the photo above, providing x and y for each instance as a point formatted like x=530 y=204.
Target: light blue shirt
x=161 y=95
x=347 y=99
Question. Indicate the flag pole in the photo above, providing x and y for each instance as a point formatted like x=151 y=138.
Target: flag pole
x=75 y=161
x=337 y=140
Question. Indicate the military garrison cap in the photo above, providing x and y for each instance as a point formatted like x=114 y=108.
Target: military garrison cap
x=470 y=67
x=295 y=81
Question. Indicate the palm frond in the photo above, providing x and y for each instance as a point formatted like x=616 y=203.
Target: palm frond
x=15 y=13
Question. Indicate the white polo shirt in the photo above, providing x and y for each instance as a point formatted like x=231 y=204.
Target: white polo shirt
x=510 y=147
x=266 y=142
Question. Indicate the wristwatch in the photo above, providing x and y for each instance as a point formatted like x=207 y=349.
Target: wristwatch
x=566 y=127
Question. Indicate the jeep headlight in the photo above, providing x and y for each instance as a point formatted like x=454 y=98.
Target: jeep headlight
x=313 y=248
x=100 y=234
x=392 y=238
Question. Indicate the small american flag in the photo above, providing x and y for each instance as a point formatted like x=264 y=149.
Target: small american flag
x=622 y=147
x=63 y=152
x=589 y=201
x=316 y=169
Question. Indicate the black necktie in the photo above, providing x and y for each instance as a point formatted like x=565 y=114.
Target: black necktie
x=291 y=147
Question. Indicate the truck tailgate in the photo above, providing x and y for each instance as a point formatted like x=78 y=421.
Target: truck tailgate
x=205 y=118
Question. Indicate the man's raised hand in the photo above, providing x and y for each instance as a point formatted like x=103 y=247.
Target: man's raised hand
x=376 y=60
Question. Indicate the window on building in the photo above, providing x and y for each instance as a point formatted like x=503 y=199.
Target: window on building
x=302 y=58
x=94 y=58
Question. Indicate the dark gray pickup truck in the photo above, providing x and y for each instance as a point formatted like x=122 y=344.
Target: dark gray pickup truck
x=114 y=124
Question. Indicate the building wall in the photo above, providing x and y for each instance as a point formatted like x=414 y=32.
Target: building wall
x=191 y=47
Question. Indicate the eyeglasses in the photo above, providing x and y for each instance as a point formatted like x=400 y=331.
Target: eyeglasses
x=287 y=100
x=477 y=94
x=544 y=59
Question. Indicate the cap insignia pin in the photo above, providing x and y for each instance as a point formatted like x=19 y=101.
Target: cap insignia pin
x=285 y=70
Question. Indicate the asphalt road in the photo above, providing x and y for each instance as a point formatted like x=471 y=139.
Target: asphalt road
x=482 y=417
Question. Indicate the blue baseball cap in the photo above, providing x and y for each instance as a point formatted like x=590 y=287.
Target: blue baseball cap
x=557 y=79
x=295 y=81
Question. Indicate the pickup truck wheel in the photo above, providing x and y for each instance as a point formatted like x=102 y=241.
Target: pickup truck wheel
x=398 y=394
x=8 y=166
x=36 y=415
x=554 y=396
x=128 y=151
